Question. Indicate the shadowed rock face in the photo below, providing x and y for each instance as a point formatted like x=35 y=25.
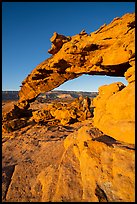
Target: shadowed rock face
x=107 y=51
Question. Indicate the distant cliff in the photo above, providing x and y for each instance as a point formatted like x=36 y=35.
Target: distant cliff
x=10 y=95
x=13 y=95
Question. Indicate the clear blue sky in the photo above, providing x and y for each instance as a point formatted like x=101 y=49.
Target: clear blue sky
x=28 y=26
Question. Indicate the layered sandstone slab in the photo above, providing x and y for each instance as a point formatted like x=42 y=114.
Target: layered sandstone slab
x=43 y=164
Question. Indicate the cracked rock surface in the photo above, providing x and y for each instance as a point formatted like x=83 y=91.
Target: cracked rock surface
x=66 y=163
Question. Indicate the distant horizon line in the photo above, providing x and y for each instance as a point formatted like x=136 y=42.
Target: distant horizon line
x=54 y=90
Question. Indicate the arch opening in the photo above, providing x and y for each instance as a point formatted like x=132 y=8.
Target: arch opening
x=89 y=83
x=84 y=85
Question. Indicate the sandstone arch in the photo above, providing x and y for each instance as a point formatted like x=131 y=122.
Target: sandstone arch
x=108 y=51
x=86 y=165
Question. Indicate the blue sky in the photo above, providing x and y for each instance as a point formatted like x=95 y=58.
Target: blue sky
x=28 y=26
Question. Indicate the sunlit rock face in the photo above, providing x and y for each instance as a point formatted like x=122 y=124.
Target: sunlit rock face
x=105 y=167
x=108 y=51
x=85 y=166
x=92 y=160
x=114 y=111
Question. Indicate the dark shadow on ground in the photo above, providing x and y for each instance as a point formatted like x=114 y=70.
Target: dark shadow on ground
x=7 y=173
x=110 y=141
x=106 y=139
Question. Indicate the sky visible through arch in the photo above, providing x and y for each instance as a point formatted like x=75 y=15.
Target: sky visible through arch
x=28 y=26
x=89 y=83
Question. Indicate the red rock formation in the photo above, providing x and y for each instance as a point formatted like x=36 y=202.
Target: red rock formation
x=108 y=51
x=86 y=165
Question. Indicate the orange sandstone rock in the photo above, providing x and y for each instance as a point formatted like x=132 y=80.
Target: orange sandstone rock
x=108 y=51
x=106 y=177
x=114 y=112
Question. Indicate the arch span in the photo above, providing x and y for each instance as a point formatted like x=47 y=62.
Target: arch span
x=107 y=51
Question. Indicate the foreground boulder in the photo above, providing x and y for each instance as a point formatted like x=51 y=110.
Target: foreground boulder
x=82 y=166
x=105 y=176
x=114 y=112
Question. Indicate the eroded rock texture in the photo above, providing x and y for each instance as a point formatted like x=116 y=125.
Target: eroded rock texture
x=64 y=114
x=77 y=163
x=108 y=51
x=95 y=162
x=114 y=112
